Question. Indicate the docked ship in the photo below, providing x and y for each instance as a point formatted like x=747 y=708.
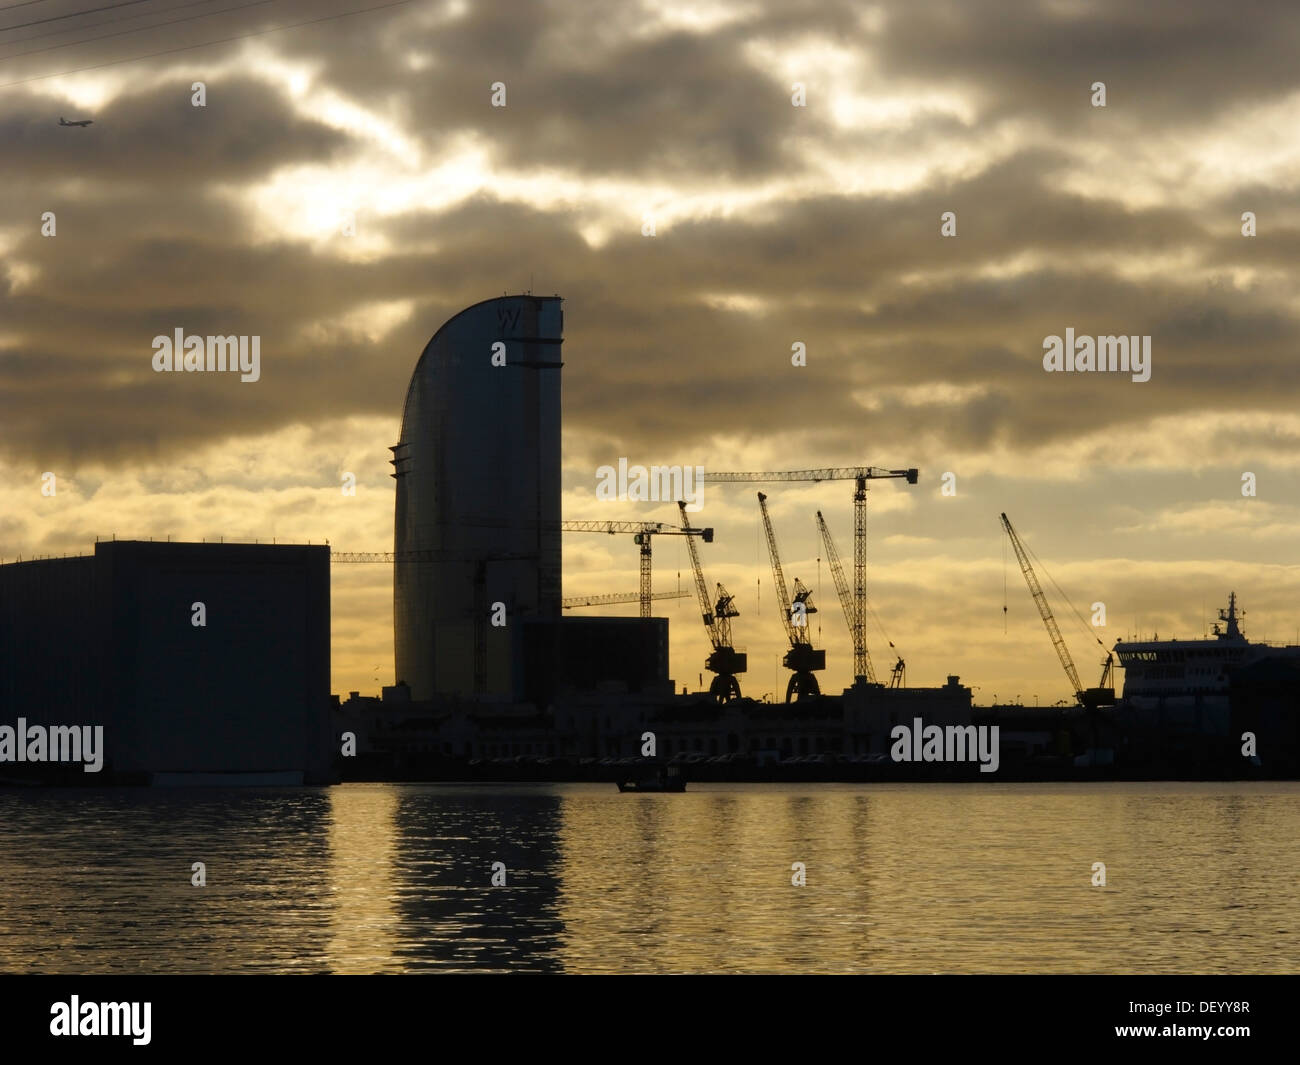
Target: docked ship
x=1184 y=685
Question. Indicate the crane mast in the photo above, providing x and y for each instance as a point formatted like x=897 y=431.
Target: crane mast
x=853 y=611
x=859 y=625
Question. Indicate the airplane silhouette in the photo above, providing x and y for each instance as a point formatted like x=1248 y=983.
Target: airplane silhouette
x=84 y=122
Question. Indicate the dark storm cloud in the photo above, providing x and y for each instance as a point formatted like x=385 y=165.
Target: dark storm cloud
x=656 y=359
x=245 y=131
x=641 y=331
x=595 y=88
x=1164 y=62
x=585 y=95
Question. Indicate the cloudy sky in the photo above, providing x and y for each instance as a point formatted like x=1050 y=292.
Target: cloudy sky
x=773 y=224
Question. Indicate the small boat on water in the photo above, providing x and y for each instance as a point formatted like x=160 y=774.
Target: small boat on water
x=655 y=778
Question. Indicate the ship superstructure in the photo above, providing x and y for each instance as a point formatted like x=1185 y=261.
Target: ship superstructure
x=1184 y=673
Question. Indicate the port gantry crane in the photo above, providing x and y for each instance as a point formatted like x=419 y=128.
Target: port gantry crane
x=803 y=660
x=1089 y=698
x=860 y=475
x=853 y=609
x=724 y=661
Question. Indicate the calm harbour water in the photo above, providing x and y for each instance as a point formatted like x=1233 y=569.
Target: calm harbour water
x=900 y=878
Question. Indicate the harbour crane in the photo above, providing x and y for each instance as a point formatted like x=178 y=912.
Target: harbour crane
x=860 y=475
x=643 y=534
x=1090 y=698
x=724 y=661
x=853 y=610
x=803 y=660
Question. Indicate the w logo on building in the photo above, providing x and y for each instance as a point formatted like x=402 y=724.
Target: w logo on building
x=507 y=317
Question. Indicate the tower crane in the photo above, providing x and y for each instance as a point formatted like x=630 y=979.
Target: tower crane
x=643 y=532
x=853 y=610
x=856 y=614
x=389 y=557
x=643 y=536
x=578 y=601
x=803 y=660
x=724 y=661
x=1091 y=698
x=836 y=473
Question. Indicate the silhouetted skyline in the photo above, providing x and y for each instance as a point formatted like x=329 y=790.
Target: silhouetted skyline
x=774 y=225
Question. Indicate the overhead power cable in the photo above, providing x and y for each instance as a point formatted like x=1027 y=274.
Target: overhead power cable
x=72 y=14
x=106 y=22
x=138 y=29
x=25 y=3
x=205 y=44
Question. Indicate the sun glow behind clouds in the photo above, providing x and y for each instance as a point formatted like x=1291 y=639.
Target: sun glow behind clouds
x=369 y=322
x=668 y=16
x=387 y=173
x=309 y=202
x=90 y=91
x=20 y=274
x=931 y=394
x=735 y=301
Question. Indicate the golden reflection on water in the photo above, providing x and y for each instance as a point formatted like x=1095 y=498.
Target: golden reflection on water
x=913 y=878
x=365 y=925
x=900 y=878
x=941 y=878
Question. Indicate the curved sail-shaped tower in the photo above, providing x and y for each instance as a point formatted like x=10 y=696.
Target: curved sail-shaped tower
x=478 y=495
